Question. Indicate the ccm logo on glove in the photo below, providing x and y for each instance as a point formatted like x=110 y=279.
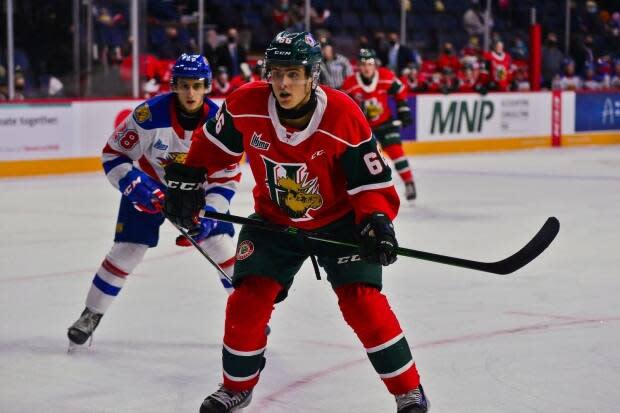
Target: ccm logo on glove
x=184 y=186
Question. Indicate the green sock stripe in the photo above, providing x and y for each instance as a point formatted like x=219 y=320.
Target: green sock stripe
x=241 y=366
x=392 y=358
x=404 y=164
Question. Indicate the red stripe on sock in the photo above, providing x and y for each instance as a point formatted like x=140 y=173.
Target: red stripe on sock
x=113 y=269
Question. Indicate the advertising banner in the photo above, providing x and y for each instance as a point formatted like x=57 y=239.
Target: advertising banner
x=36 y=131
x=597 y=111
x=473 y=116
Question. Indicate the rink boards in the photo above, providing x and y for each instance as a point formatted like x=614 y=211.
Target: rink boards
x=67 y=136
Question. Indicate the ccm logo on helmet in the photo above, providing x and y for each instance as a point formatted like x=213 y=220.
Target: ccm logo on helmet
x=184 y=186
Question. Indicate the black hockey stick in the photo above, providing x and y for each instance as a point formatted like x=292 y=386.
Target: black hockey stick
x=203 y=252
x=530 y=251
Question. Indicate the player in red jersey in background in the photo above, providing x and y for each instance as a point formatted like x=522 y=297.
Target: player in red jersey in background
x=317 y=167
x=497 y=68
x=370 y=88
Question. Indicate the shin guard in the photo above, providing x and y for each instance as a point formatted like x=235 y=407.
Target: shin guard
x=248 y=311
x=368 y=313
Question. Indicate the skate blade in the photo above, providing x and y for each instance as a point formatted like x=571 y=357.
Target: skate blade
x=74 y=347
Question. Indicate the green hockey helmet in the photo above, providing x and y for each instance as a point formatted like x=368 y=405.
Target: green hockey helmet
x=367 y=55
x=294 y=49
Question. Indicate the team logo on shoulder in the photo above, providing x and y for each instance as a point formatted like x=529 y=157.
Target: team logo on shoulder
x=309 y=40
x=258 y=143
x=292 y=188
x=245 y=249
x=142 y=113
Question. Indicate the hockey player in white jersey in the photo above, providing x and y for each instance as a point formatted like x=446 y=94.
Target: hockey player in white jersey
x=157 y=133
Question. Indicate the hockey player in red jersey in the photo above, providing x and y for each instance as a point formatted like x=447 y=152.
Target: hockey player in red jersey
x=317 y=167
x=370 y=88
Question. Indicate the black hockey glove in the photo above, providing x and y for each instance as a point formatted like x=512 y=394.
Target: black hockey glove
x=377 y=239
x=185 y=196
x=404 y=114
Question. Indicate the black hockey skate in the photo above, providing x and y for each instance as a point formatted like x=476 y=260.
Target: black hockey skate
x=410 y=191
x=224 y=401
x=414 y=401
x=84 y=327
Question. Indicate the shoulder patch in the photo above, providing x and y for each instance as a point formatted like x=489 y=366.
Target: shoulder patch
x=142 y=113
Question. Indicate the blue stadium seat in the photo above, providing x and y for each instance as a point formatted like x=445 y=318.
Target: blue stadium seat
x=391 y=22
x=334 y=23
x=361 y=6
x=387 y=6
x=423 y=6
x=252 y=19
x=339 y=6
x=351 y=22
x=371 y=22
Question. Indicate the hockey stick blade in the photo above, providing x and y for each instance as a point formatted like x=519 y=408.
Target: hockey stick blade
x=525 y=255
x=529 y=252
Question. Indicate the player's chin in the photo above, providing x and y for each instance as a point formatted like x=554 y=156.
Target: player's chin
x=286 y=101
x=191 y=105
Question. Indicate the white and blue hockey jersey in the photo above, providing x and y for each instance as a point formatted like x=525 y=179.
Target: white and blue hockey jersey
x=152 y=137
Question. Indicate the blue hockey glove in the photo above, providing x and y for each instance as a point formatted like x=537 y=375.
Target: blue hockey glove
x=200 y=232
x=377 y=240
x=142 y=190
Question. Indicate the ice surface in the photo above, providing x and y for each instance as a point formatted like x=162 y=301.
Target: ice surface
x=545 y=339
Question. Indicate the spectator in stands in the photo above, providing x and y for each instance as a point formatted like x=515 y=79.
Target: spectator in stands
x=399 y=56
x=173 y=45
x=448 y=59
x=281 y=15
x=615 y=76
x=552 y=58
x=472 y=52
x=381 y=46
x=20 y=84
x=110 y=30
x=413 y=80
x=519 y=50
x=469 y=80
x=590 y=19
x=231 y=54
x=334 y=67
x=520 y=82
x=569 y=79
x=221 y=86
x=590 y=79
x=248 y=74
x=474 y=19
x=4 y=90
x=448 y=82
x=210 y=46
x=586 y=53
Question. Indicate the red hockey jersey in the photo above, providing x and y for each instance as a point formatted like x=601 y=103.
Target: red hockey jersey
x=499 y=69
x=373 y=98
x=304 y=178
